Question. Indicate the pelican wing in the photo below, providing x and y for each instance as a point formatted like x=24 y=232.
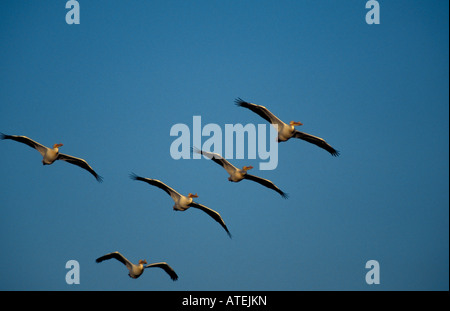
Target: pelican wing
x=316 y=141
x=116 y=255
x=81 y=163
x=267 y=183
x=165 y=267
x=262 y=111
x=230 y=168
x=157 y=183
x=215 y=215
x=27 y=141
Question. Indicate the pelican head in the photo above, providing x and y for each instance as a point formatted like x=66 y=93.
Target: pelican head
x=57 y=145
x=142 y=262
x=294 y=123
x=246 y=168
x=190 y=195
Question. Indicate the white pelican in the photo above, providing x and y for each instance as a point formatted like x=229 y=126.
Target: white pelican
x=286 y=131
x=135 y=271
x=182 y=202
x=50 y=155
x=236 y=175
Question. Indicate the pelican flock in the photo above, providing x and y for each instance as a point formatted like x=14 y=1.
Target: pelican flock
x=182 y=202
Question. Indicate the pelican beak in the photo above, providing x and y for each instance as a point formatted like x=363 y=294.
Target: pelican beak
x=246 y=168
x=57 y=145
x=294 y=123
x=193 y=195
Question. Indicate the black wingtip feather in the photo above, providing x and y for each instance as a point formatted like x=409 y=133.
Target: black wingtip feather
x=284 y=195
x=239 y=101
x=196 y=150
x=137 y=177
x=226 y=229
x=100 y=259
x=133 y=176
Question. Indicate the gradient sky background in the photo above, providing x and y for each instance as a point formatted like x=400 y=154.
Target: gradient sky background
x=111 y=88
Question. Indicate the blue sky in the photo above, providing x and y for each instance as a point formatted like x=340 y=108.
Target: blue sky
x=111 y=88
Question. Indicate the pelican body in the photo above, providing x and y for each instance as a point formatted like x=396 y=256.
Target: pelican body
x=287 y=131
x=238 y=174
x=51 y=154
x=136 y=270
x=182 y=203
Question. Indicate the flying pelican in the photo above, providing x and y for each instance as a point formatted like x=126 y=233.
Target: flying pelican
x=236 y=175
x=182 y=202
x=286 y=131
x=137 y=270
x=50 y=155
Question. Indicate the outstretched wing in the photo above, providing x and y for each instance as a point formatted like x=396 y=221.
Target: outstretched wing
x=230 y=168
x=116 y=255
x=215 y=215
x=262 y=111
x=267 y=183
x=27 y=141
x=157 y=183
x=316 y=141
x=81 y=163
x=165 y=267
